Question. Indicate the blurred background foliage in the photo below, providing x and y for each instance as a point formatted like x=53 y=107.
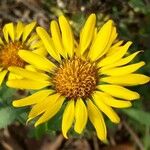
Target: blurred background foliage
x=132 y=18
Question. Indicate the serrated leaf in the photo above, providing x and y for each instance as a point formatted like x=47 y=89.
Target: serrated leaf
x=138 y=115
x=7 y=116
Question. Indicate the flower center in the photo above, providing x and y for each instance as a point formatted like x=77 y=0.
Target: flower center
x=75 y=78
x=9 y=55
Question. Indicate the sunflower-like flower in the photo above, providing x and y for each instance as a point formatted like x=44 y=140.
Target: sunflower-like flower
x=13 y=38
x=89 y=76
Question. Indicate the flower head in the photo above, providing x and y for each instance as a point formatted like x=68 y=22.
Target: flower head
x=15 y=37
x=89 y=76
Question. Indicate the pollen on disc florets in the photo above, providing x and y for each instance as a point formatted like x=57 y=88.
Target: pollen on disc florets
x=75 y=78
x=9 y=55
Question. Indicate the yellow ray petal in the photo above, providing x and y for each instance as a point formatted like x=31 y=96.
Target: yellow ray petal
x=41 y=51
x=27 y=30
x=47 y=41
x=12 y=76
x=33 y=38
x=30 y=68
x=87 y=33
x=101 y=41
x=1 y=41
x=39 y=62
x=114 y=48
x=43 y=105
x=119 y=92
x=19 y=30
x=2 y=76
x=122 y=61
x=111 y=114
x=113 y=36
x=67 y=36
x=32 y=99
x=110 y=101
x=80 y=116
x=56 y=37
x=94 y=35
x=29 y=74
x=116 y=56
x=36 y=44
x=97 y=120
x=1 y=68
x=8 y=30
x=123 y=70
x=127 y=80
x=117 y=44
x=68 y=118
x=5 y=32
x=51 y=112
x=27 y=84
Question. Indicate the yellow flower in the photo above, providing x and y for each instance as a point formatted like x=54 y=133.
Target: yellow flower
x=13 y=38
x=89 y=77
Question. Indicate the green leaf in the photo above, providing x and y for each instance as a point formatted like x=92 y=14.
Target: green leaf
x=146 y=138
x=7 y=116
x=40 y=130
x=138 y=115
x=22 y=115
x=6 y=94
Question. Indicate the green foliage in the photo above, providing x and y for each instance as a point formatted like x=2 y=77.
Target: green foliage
x=7 y=116
x=147 y=138
x=6 y=94
x=39 y=131
x=138 y=115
